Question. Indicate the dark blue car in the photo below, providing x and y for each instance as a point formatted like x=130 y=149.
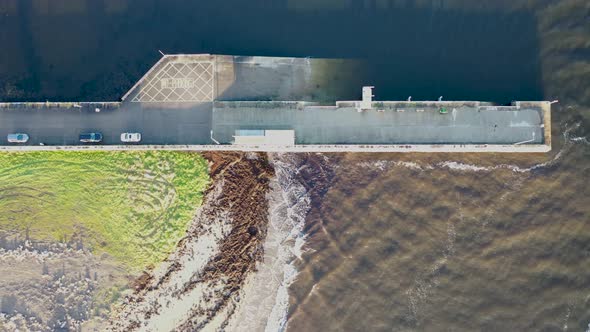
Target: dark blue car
x=90 y=137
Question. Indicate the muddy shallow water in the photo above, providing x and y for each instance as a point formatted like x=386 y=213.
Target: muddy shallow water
x=450 y=243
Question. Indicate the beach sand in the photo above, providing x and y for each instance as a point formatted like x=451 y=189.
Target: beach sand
x=233 y=270
x=264 y=298
x=198 y=286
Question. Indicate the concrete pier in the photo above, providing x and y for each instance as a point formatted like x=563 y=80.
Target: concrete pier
x=202 y=102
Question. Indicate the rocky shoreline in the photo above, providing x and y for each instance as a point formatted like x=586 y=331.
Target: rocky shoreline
x=199 y=285
x=233 y=268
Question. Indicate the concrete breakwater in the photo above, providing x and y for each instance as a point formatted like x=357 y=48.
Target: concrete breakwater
x=233 y=103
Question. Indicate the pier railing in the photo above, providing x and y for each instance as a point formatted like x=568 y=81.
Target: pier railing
x=413 y=148
x=62 y=105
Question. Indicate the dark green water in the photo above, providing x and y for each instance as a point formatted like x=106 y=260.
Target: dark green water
x=90 y=50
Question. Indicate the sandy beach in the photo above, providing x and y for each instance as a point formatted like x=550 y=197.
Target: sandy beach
x=264 y=298
x=201 y=284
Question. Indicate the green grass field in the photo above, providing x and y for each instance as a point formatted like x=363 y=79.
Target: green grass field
x=134 y=206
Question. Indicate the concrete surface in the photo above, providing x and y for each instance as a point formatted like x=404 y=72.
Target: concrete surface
x=408 y=125
x=157 y=123
x=201 y=100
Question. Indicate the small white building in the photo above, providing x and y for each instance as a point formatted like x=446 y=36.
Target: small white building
x=264 y=137
x=367 y=101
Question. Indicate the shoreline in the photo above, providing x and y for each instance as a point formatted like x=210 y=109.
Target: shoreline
x=198 y=285
x=265 y=296
x=233 y=269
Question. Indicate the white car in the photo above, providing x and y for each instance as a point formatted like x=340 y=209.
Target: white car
x=17 y=138
x=130 y=137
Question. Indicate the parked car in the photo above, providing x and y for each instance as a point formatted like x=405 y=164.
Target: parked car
x=130 y=137
x=90 y=137
x=17 y=138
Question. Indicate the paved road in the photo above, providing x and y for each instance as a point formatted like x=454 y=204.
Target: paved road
x=158 y=123
x=184 y=123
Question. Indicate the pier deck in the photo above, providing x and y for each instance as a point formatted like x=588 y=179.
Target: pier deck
x=197 y=102
x=397 y=123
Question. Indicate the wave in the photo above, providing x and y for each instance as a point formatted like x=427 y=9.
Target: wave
x=264 y=301
x=464 y=167
x=580 y=139
x=289 y=208
x=424 y=284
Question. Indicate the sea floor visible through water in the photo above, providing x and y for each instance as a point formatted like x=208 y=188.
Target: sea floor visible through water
x=449 y=242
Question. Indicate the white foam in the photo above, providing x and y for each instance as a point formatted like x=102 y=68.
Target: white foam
x=384 y=164
x=463 y=167
x=454 y=165
x=264 y=301
x=581 y=139
x=290 y=212
x=424 y=284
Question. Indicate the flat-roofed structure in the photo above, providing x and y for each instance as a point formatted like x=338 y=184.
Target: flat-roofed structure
x=389 y=123
x=259 y=137
x=217 y=102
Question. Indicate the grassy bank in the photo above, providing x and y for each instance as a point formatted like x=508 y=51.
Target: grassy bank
x=134 y=206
